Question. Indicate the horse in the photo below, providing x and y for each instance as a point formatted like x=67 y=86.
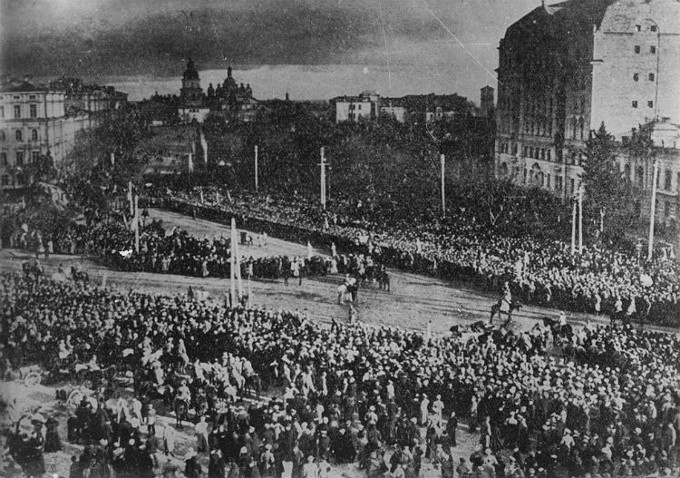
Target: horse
x=496 y=309
x=557 y=329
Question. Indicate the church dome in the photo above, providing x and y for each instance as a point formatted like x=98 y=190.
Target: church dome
x=191 y=73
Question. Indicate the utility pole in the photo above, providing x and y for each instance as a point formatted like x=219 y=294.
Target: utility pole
x=257 y=185
x=652 y=217
x=232 y=263
x=580 y=219
x=573 y=226
x=322 y=164
x=132 y=211
x=442 y=159
x=136 y=225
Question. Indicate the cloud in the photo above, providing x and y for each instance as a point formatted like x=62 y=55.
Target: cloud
x=107 y=37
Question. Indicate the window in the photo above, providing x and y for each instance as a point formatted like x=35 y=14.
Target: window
x=634 y=104
x=18 y=135
x=650 y=104
x=34 y=156
x=667 y=209
x=33 y=111
x=668 y=179
x=651 y=77
x=652 y=50
x=638 y=28
x=652 y=28
x=5 y=180
x=19 y=158
x=558 y=183
x=2 y=111
x=17 y=111
x=2 y=135
x=547 y=181
x=636 y=76
x=547 y=156
x=637 y=48
x=3 y=160
x=34 y=135
x=677 y=183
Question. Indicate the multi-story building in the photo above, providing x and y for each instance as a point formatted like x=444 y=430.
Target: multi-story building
x=639 y=169
x=37 y=120
x=486 y=102
x=352 y=109
x=368 y=106
x=229 y=100
x=566 y=68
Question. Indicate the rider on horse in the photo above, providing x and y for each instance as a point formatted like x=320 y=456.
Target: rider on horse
x=504 y=303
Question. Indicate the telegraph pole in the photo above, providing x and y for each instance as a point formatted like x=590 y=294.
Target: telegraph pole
x=580 y=219
x=322 y=164
x=652 y=217
x=442 y=159
x=573 y=226
x=257 y=186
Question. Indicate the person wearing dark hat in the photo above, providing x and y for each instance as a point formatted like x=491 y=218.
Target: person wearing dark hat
x=34 y=462
x=52 y=441
x=216 y=466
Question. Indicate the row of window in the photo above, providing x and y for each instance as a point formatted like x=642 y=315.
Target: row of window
x=638 y=49
x=640 y=175
x=650 y=77
x=19 y=135
x=652 y=28
x=32 y=111
x=650 y=104
x=19 y=158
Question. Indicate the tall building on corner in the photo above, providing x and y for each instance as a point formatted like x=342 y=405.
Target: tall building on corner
x=566 y=68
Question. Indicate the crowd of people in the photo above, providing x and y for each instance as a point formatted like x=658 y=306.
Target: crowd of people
x=597 y=280
x=385 y=399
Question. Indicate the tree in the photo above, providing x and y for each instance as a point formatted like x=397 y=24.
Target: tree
x=610 y=197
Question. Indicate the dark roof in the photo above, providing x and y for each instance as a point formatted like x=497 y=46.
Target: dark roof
x=16 y=86
x=190 y=73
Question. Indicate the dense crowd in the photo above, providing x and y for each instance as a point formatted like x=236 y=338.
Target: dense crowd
x=598 y=280
x=351 y=392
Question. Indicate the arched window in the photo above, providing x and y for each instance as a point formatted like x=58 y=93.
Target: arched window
x=34 y=135
x=18 y=136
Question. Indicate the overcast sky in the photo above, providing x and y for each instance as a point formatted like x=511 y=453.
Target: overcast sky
x=395 y=46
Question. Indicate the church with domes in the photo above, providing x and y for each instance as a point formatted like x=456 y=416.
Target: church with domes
x=229 y=99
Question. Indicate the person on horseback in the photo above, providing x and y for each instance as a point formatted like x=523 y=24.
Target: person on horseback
x=183 y=392
x=504 y=303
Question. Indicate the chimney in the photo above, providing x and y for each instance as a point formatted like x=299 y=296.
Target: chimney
x=287 y=97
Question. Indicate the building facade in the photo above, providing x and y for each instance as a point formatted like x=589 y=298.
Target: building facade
x=353 y=109
x=228 y=100
x=41 y=120
x=486 y=102
x=665 y=137
x=368 y=106
x=566 y=68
